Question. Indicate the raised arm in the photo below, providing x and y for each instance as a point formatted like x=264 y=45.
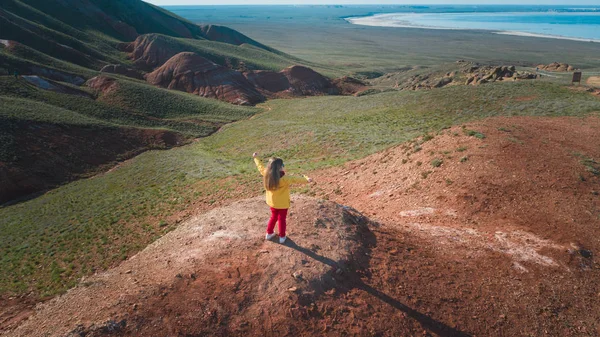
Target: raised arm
x=294 y=180
x=259 y=164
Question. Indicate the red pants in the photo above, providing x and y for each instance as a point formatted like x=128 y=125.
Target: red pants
x=277 y=214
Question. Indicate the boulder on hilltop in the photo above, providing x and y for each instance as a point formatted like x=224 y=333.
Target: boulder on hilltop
x=557 y=66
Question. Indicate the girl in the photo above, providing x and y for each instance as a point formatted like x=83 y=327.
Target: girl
x=277 y=187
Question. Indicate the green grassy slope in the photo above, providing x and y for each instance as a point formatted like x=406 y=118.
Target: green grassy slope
x=133 y=104
x=228 y=55
x=88 y=36
x=49 y=242
x=118 y=125
x=69 y=41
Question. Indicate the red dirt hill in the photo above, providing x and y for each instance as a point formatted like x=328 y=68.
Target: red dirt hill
x=292 y=81
x=307 y=82
x=216 y=275
x=150 y=51
x=493 y=236
x=192 y=73
x=485 y=230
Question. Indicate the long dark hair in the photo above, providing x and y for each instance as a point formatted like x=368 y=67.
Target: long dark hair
x=272 y=175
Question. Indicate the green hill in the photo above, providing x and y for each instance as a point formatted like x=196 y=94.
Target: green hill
x=58 y=45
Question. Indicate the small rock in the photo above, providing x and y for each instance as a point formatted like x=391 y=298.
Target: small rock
x=586 y=253
x=502 y=316
x=297 y=275
x=292 y=289
x=128 y=272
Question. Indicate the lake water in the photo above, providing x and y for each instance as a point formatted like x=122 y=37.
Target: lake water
x=567 y=23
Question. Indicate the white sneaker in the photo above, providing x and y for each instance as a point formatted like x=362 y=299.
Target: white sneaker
x=270 y=236
x=282 y=239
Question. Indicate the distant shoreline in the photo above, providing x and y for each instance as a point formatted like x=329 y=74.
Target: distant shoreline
x=375 y=20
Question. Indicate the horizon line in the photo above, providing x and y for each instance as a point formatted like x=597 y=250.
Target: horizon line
x=381 y=4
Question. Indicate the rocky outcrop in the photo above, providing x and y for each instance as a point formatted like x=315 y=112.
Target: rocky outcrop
x=427 y=81
x=556 y=66
x=192 y=73
x=103 y=84
x=484 y=74
x=122 y=70
x=465 y=73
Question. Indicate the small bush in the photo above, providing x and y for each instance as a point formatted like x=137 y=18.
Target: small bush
x=437 y=162
x=476 y=134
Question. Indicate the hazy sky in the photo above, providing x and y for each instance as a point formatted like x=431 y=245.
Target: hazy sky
x=413 y=2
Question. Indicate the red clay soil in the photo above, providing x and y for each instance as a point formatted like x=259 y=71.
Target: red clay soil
x=467 y=236
x=102 y=84
x=194 y=74
x=292 y=82
x=501 y=238
x=150 y=51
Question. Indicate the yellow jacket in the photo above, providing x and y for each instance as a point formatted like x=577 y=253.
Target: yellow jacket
x=280 y=198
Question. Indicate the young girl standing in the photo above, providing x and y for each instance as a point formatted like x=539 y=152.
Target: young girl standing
x=277 y=186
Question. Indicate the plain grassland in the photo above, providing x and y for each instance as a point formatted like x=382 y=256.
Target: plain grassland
x=320 y=34
x=49 y=242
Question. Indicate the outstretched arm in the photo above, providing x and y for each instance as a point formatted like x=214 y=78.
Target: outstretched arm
x=297 y=180
x=259 y=164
